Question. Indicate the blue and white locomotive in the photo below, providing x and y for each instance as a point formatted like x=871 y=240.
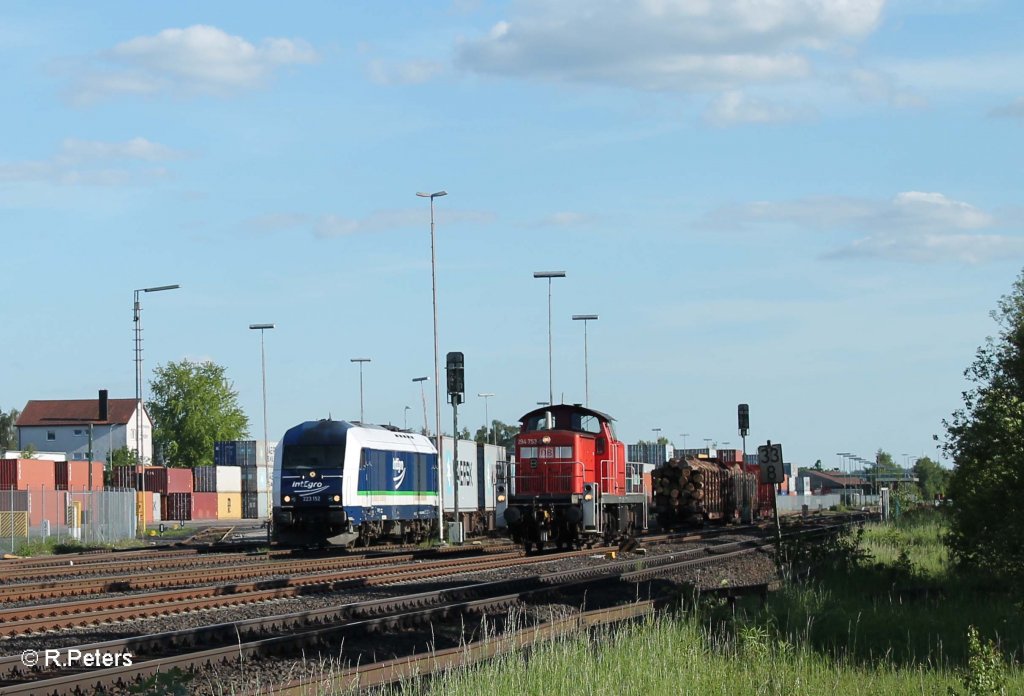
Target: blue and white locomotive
x=339 y=483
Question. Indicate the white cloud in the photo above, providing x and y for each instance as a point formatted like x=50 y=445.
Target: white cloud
x=93 y=162
x=668 y=44
x=197 y=59
x=411 y=72
x=912 y=226
x=1014 y=110
x=874 y=85
x=733 y=108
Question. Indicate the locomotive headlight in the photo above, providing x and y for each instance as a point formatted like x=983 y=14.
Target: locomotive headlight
x=588 y=496
x=337 y=498
x=312 y=474
x=287 y=499
x=501 y=499
x=546 y=439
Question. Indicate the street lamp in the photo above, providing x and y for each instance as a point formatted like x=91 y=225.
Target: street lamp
x=262 y=328
x=360 y=361
x=586 y=370
x=423 y=395
x=487 y=422
x=138 y=385
x=549 y=275
x=138 y=368
x=657 y=434
x=437 y=379
x=684 y=435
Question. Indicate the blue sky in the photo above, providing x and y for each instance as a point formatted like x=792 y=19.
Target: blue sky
x=803 y=205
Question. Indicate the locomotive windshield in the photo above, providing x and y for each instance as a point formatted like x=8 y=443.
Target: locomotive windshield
x=565 y=420
x=312 y=457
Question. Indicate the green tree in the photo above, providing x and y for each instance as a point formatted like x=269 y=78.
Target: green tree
x=8 y=433
x=192 y=405
x=931 y=478
x=817 y=465
x=123 y=457
x=499 y=432
x=985 y=440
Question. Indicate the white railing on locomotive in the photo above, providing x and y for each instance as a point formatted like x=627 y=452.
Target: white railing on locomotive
x=634 y=476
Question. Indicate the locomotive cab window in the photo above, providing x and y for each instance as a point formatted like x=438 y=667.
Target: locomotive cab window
x=312 y=457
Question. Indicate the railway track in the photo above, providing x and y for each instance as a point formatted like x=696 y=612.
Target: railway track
x=311 y=630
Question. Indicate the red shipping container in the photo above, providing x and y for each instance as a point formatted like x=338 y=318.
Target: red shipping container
x=179 y=480
x=155 y=479
x=26 y=474
x=74 y=475
x=204 y=506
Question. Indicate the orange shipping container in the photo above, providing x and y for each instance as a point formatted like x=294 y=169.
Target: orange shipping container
x=147 y=503
x=229 y=506
x=26 y=474
x=74 y=475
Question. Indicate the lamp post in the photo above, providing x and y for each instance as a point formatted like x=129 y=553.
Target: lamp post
x=684 y=436
x=262 y=328
x=138 y=389
x=138 y=369
x=437 y=379
x=549 y=275
x=657 y=434
x=405 y=418
x=360 y=361
x=487 y=422
x=586 y=369
x=423 y=395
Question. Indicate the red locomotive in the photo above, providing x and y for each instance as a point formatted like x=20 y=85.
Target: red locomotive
x=571 y=484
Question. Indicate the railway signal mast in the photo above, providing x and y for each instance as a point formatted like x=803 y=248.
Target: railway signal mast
x=455 y=369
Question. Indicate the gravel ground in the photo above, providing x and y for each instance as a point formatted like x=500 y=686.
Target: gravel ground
x=752 y=568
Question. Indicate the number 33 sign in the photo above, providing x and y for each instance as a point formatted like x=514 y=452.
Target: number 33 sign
x=769 y=457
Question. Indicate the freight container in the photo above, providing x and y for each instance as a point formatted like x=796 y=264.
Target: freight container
x=176 y=507
x=250 y=506
x=204 y=479
x=148 y=503
x=168 y=479
x=75 y=475
x=123 y=477
x=229 y=506
x=244 y=453
x=255 y=479
x=179 y=480
x=204 y=506
x=25 y=474
x=229 y=479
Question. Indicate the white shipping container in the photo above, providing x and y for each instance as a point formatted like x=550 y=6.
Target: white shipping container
x=156 y=507
x=229 y=479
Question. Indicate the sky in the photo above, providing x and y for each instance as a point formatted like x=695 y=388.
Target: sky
x=807 y=206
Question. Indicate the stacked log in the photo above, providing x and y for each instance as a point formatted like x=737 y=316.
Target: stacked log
x=680 y=492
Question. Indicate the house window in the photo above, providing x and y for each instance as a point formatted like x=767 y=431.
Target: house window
x=51 y=435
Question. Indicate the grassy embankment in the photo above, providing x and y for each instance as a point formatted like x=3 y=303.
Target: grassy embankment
x=886 y=614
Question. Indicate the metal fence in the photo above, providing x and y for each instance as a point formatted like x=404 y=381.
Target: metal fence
x=86 y=517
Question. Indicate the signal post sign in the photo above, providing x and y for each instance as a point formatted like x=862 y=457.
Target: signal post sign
x=769 y=457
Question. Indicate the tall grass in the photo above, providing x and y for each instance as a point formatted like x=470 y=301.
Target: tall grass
x=886 y=614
